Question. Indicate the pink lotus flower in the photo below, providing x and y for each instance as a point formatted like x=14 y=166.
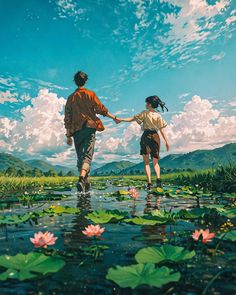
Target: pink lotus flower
x=205 y=234
x=93 y=230
x=133 y=193
x=43 y=239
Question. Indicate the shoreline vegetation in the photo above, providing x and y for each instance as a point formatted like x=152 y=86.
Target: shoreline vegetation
x=221 y=179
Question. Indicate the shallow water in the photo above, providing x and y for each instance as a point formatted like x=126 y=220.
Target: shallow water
x=82 y=274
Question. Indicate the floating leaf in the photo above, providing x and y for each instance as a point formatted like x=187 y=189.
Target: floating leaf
x=142 y=221
x=31 y=265
x=14 y=219
x=142 y=274
x=164 y=216
x=61 y=209
x=122 y=193
x=231 y=235
x=191 y=214
x=163 y=253
x=195 y=213
x=229 y=213
x=158 y=191
x=105 y=216
x=123 y=198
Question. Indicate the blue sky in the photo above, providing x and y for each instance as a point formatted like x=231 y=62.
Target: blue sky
x=183 y=51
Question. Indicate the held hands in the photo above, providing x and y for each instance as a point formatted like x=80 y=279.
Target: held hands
x=117 y=120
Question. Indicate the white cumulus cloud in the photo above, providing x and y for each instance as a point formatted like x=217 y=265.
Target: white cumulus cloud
x=200 y=126
x=40 y=130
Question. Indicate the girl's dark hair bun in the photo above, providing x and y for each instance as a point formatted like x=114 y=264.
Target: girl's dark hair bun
x=155 y=102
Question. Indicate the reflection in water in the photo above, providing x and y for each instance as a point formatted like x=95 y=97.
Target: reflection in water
x=84 y=202
x=150 y=205
x=152 y=233
x=75 y=236
x=84 y=275
x=133 y=211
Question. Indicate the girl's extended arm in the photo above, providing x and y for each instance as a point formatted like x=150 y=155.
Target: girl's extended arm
x=126 y=119
x=165 y=139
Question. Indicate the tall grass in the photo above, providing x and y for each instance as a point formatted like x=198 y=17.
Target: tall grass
x=13 y=184
x=222 y=179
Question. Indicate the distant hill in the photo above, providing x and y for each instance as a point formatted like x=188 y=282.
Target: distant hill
x=198 y=159
x=113 y=168
x=40 y=164
x=7 y=160
x=202 y=158
x=65 y=170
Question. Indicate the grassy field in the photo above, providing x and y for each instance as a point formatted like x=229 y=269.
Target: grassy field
x=220 y=179
x=13 y=184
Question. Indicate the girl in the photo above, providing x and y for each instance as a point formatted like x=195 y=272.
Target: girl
x=152 y=122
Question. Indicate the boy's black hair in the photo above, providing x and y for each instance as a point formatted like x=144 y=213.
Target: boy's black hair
x=155 y=102
x=80 y=78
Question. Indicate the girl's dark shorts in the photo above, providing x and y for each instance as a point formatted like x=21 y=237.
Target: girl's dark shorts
x=150 y=144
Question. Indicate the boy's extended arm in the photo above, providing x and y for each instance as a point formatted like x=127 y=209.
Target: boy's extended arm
x=101 y=109
x=109 y=115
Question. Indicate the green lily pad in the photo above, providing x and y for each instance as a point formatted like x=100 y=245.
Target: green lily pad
x=164 y=216
x=123 y=198
x=191 y=214
x=142 y=274
x=195 y=213
x=122 y=193
x=142 y=221
x=158 y=191
x=61 y=209
x=99 y=186
x=29 y=266
x=105 y=216
x=163 y=253
x=14 y=219
x=229 y=213
x=231 y=235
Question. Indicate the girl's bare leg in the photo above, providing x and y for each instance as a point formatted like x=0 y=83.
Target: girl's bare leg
x=147 y=167
x=156 y=167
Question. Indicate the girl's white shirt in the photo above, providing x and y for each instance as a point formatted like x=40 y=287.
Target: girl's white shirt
x=150 y=120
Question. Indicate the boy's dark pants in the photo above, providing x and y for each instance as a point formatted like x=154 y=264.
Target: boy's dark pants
x=84 y=141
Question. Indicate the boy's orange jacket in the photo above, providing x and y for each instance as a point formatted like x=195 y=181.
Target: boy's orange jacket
x=81 y=108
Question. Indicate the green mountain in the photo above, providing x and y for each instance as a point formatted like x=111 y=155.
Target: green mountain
x=112 y=168
x=198 y=159
x=46 y=166
x=40 y=164
x=65 y=170
x=7 y=160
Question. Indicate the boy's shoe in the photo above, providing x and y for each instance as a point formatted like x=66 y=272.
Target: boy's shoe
x=81 y=184
x=158 y=183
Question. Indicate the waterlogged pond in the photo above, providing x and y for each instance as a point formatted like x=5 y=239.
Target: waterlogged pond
x=143 y=236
